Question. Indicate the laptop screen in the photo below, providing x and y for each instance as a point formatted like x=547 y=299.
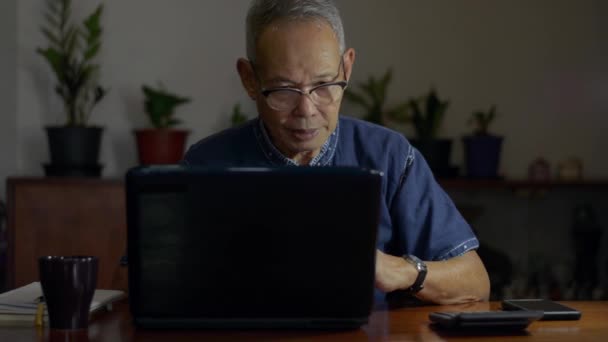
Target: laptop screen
x=252 y=243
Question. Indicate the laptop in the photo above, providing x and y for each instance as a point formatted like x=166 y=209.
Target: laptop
x=251 y=247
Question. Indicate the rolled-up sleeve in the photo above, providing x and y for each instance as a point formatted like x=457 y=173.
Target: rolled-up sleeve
x=425 y=219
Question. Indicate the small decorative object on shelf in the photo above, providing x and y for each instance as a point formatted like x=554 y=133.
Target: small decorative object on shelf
x=539 y=170
x=570 y=169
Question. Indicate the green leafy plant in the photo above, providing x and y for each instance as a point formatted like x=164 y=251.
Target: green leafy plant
x=238 y=117
x=482 y=120
x=71 y=52
x=426 y=113
x=160 y=106
x=372 y=97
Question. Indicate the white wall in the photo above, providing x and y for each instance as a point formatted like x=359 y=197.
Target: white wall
x=189 y=45
x=8 y=79
x=542 y=62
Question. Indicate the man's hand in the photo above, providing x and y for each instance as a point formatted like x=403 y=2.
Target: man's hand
x=393 y=273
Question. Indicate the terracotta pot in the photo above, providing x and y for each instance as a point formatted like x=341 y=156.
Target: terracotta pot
x=160 y=146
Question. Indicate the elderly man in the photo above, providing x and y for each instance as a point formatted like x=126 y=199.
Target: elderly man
x=296 y=70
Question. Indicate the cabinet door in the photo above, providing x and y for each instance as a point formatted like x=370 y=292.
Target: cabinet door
x=66 y=217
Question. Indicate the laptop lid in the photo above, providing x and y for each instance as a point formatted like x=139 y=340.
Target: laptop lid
x=287 y=247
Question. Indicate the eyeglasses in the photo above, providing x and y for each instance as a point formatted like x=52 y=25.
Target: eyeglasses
x=287 y=99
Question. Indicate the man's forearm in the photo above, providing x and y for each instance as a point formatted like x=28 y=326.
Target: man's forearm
x=458 y=280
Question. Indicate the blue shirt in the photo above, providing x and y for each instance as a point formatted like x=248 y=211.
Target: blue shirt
x=417 y=216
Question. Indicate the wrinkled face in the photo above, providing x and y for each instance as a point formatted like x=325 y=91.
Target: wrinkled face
x=300 y=55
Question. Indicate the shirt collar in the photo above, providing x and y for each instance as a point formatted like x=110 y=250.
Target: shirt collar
x=278 y=159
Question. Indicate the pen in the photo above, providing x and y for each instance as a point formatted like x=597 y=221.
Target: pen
x=39 y=318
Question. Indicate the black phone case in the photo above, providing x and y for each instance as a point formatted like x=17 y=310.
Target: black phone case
x=551 y=310
x=503 y=320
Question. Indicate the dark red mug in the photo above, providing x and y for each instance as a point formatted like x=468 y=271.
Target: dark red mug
x=68 y=284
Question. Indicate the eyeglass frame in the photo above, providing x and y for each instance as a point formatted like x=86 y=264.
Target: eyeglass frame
x=266 y=92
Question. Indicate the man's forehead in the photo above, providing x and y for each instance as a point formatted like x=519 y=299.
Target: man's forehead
x=272 y=73
x=323 y=60
x=295 y=44
x=284 y=23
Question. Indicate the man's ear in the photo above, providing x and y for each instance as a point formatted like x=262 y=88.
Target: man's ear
x=243 y=66
x=349 y=61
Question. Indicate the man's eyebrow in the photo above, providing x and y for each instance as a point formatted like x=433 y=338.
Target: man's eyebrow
x=280 y=79
x=286 y=81
x=325 y=76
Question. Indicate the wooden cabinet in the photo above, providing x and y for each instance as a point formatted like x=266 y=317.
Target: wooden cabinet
x=54 y=216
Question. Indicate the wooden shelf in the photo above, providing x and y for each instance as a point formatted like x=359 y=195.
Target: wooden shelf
x=481 y=184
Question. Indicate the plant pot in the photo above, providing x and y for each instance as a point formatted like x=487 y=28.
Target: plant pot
x=437 y=154
x=160 y=146
x=74 y=151
x=482 y=155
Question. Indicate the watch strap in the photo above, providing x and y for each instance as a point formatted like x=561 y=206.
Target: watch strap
x=422 y=270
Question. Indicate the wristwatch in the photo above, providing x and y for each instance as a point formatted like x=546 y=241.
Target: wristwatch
x=421 y=268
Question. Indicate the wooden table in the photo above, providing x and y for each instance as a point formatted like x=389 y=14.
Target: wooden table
x=403 y=324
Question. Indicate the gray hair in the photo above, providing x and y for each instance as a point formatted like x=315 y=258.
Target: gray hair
x=263 y=12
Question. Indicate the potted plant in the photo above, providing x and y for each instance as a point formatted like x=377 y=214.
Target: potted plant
x=74 y=146
x=238 y=117
x=161 y=144
x=372 y=97
x=426 y=114
x=482 y=149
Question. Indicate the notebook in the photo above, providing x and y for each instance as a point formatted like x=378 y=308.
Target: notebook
x=252 y=248
x=18 y=306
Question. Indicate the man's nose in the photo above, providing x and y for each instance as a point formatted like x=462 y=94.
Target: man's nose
x=305 y=107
